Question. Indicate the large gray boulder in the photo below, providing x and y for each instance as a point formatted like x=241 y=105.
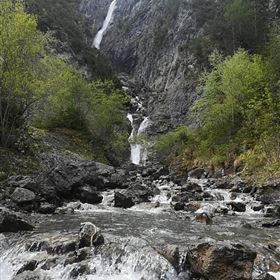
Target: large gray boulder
x=135 y=194
x=10 y=222
x=71 y=179
x=21 y=195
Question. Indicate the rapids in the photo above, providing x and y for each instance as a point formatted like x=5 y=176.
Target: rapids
x=138 y=231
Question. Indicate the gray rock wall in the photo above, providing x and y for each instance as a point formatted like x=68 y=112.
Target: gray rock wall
x=147 y=41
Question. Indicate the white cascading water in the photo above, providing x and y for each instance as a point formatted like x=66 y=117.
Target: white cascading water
x=99 y=36
x=139 y=152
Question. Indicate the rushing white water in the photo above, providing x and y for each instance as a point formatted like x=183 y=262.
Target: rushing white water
x=99 y=36
x=139 y=153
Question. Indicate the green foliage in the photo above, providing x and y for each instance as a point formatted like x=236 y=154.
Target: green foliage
x=21 y=52
x=239 y=114
x=172 y=143
x=62 y=18
x=230 y=91
x=229 y=25
x=94 y=108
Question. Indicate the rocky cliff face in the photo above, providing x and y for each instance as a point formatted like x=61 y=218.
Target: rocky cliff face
x=147 y=40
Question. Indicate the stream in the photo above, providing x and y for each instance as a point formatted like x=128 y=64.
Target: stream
x=138 y=231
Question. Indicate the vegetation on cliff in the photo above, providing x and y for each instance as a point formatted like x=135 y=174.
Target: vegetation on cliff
x=41 y=88
x=238 y=113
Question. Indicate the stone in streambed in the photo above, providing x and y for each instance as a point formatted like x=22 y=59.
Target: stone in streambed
x=88 y=194
x=203 y=218
x=179 y=206
x=90 y=235
x=222 y=262
x=31 y=275
x=237 y=206
x=123 y=201
x=77 y=256
x=10 y=222
x=272 y=224
x=79 y=270
x=265 y=276
x=46 y=208
x=21 y=195
x=29 y=266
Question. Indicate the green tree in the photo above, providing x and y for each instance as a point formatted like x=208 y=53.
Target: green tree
x=229 y=89
x=21 y=51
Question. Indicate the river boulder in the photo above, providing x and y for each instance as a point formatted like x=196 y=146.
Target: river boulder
x=90 y=235
x=237 y=206
x=122 y=200
x=265 y=276
x=66 y=179
x=23 y=196
x=199 y=173
x=32 y=275
x=220 y=262
x=89 y=194
x=10 y=222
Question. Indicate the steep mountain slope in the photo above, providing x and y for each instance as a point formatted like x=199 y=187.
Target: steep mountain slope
x=146 y=40
x=163 y=45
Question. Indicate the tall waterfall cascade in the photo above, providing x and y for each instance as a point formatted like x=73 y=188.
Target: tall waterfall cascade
x=139 y=151
x=99 y=36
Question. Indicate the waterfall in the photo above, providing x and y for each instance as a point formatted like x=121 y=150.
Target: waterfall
x=139 y=152
x=99 y=36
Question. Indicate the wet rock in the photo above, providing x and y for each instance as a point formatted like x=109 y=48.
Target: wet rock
x=269 y=193
x=63 y=248
x=49 y=263
x=65 y=210
x=66 y=177
x=257 y=208
x=79 y=270
x=29 y=266
x=192 y=207
x=275 y=223
x=25 y=182
x=10 y=222
x=203 y=218
x=192 y=187
x=273 y=212
x=199 y=173
x=247 y=225
x=136 y=193
x=162 y=171
x=21 y=195
x=123 y=201
x=172 y=254
x=221 y=210
x=207 y=196
x=47 y=208
x=77 y=256
x=182 y=197
x=89 y=235
x=179 y=206
x=223 y=183
x=31 y=275
x=88 y=194
x=38 y=246
x=220 y=262
x=237 y=206
x=265 y=276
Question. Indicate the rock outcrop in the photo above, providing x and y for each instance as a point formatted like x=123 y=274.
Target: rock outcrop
x=153 y=52
x=220 y=262
x=10 y=222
